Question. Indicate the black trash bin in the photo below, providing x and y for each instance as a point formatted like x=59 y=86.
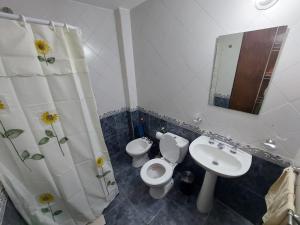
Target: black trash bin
x=187 y=182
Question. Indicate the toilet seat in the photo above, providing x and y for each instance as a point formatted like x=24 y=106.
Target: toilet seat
x=138 y=146
x=156 y=172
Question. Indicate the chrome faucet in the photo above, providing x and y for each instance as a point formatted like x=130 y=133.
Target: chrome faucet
x=234 y=148
x=211 y=138
x=221 y=145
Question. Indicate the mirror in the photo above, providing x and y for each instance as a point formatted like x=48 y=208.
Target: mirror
x=243 y=67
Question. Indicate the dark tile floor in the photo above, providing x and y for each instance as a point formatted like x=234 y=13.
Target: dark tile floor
x=11 y=215
x=134 y=206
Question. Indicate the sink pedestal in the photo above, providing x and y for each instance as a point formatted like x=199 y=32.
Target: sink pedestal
x=206 y=195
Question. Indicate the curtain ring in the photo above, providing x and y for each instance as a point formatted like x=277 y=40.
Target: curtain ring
x=67 y=27
x=52 y=25
x=23 y=20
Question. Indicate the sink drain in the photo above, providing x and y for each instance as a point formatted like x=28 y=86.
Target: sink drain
x=215 y=163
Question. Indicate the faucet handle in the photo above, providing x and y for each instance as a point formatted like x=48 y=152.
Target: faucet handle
x=221 y=145
x=211 y=138
x=234 y=148
x=228 y=139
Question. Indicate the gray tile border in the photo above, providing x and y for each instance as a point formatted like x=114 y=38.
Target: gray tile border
x=247 y=148
x=261 y=153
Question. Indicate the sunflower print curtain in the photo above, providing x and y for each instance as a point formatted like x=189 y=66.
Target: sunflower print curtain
x=54 y=163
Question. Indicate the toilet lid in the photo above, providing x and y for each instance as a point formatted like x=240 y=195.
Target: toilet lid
x=169 y=149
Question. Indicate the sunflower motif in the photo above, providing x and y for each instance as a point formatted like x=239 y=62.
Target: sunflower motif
x=100 y=161
x=43 y=49
x=2 y=105
x=46 y=198
x=42 y=46
x=49 y=118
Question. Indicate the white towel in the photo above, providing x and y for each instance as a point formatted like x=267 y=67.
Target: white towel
x=99 y=221
x=280 y=198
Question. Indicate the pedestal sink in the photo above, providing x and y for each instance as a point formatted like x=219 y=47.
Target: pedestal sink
x=218 y=159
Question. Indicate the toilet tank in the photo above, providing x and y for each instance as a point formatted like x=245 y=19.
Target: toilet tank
x=183 y=145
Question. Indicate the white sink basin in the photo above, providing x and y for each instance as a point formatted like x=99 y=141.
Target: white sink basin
x=221 y=162
x=217 y=162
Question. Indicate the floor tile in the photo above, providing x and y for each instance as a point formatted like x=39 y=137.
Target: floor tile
x=121 y=163
x=11 y=215
x=117 y=201
x=222 y=215
x=174 y=214
x=123 y=214
x=134 y=205
x=147 y=206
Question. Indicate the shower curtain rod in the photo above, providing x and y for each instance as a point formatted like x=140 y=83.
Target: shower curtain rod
x=34 y=20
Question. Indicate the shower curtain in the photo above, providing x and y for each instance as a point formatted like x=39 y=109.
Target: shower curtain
x=54 y=163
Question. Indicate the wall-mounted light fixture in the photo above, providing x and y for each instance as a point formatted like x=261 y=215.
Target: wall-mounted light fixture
x=270 y=144
x=7 y=10
x=264 y=4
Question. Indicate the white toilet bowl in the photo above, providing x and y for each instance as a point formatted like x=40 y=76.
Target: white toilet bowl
x=157 y=173
x=138 y=150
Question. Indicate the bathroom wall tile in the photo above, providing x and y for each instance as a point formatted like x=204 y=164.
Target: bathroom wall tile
x=244 y=194
x=261 y=175
x=112 y=145
x=241 y=199
x=121 y=120
x=155 y=124
x=117 y=131
x=134 y=116
x=134 y=121
x=174 y=63
x=123 y=138
x=144 y=119
x=130 y=125
x=108 y=126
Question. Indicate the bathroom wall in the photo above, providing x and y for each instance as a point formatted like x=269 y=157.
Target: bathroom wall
x=174 y=44
x=244 y=194
x=99 y=38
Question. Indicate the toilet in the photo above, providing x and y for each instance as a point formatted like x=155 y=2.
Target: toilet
x=157 y=173
x=138 y=150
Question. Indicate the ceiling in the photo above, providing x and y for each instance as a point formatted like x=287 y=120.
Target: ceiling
x=113 y=4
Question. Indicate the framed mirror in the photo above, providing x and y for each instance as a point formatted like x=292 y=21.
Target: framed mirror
x=243 y=67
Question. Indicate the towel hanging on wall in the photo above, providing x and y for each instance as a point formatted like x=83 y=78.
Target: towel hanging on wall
x=280 y=199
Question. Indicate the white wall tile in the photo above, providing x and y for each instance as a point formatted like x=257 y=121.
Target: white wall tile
x=174 y=42
x=100 y=39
